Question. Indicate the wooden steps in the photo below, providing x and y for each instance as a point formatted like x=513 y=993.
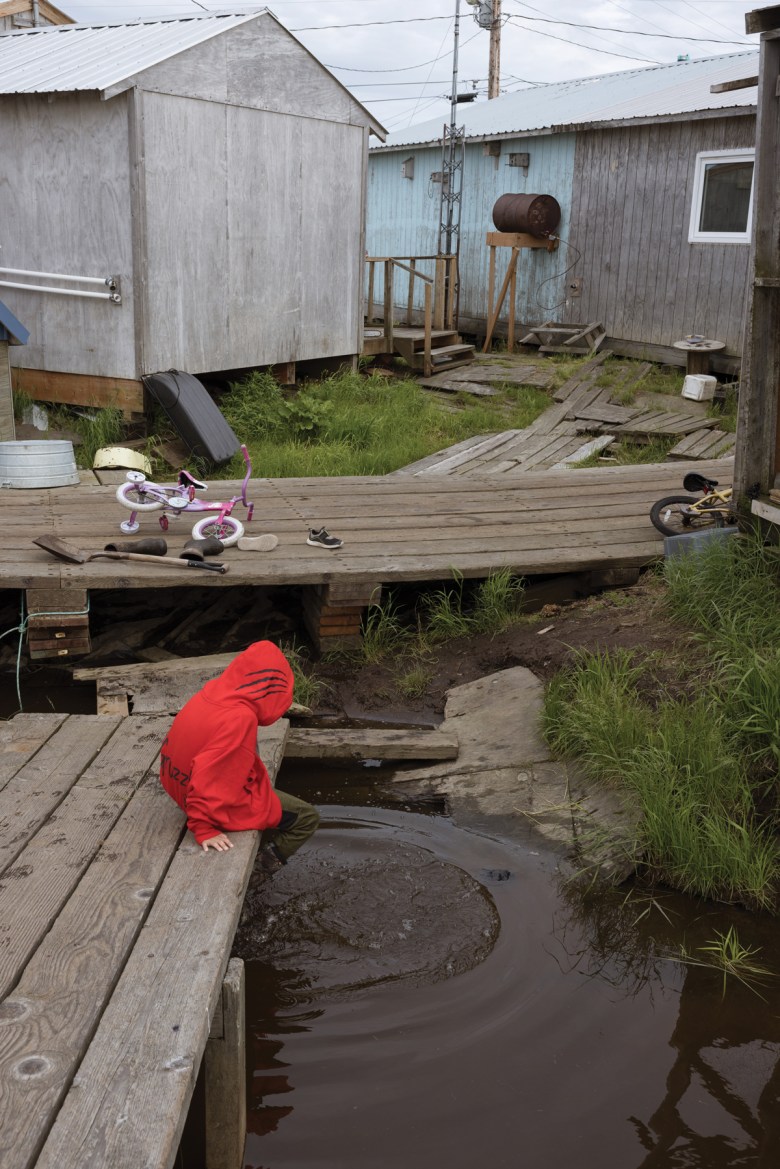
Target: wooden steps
x=446 y=348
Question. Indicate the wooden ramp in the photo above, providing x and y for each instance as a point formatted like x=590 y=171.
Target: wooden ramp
x=116 y=931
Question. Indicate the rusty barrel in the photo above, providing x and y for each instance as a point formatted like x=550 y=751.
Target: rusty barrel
x=537 y=215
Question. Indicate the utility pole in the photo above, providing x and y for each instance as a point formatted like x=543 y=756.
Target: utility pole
x=494 y=65
x=488 y=15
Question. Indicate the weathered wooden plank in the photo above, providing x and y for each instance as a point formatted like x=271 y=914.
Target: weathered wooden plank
x=585 y=450
x=313 y=743
x=21 y=738
x=34 y=889
x=42 y=784
x=603 y=412
x=51 y=1014
x=159 y=1017
x=584 y=373
x=225 y=1072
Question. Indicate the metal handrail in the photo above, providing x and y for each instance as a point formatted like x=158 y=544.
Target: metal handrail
x=113 y=283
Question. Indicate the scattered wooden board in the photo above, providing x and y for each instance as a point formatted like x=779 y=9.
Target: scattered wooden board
x=345 y=743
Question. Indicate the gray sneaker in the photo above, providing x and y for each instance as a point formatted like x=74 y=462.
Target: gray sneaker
x=323 y=539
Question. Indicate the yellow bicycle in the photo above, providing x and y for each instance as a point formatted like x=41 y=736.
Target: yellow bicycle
x=675 y=514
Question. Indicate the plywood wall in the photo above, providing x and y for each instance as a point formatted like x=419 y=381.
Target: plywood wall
x=253 y=235
x=66 y=209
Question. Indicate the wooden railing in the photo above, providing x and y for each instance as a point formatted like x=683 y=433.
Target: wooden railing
x=440 y=294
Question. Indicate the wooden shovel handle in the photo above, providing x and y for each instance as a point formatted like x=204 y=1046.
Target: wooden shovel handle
x=158 y=560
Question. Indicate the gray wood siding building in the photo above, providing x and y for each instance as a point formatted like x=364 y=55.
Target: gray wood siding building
x=224 y=184
x=630 y=210
x=619 y=153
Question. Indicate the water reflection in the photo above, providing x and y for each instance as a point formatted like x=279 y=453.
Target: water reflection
x=721 y=1102
x=575 y=1040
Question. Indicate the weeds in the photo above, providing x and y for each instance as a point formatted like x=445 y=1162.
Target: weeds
x=687 y=768
x=384 y=632
x=727 y=954
x=307 y=690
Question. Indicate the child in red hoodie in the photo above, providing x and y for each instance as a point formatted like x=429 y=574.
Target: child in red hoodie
x=209 y=763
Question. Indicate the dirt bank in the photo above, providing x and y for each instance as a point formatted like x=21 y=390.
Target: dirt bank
x=634 y=618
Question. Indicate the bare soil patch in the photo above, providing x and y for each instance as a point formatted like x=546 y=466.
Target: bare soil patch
x=634 y=619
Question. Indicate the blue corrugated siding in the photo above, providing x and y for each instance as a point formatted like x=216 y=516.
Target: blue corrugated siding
x=403 y=218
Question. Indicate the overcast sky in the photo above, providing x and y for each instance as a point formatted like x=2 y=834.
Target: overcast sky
x=396 y=56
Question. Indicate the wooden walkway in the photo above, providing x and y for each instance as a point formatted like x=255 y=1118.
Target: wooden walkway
x=116 y=933
x=395 y=528
x=587 y=417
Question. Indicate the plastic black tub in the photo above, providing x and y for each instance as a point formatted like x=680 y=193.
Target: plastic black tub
x=194 y=413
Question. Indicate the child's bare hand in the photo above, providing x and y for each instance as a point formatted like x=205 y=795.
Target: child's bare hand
x=220 y=843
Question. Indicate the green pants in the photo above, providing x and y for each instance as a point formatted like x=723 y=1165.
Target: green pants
x=299 y=821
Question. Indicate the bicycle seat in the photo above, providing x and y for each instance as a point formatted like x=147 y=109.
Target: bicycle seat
x=187 y=480
x=696 y=482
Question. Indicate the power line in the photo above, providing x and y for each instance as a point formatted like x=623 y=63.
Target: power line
x=626 y=31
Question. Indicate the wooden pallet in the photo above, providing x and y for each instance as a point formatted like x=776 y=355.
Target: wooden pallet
x=555 y=338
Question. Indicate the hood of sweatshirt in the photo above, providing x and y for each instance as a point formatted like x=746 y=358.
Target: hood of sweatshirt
x=259 y=677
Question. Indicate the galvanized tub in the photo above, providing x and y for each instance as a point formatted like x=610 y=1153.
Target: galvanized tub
x=38 y=463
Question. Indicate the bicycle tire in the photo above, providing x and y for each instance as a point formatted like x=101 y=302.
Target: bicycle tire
x=129 y=495
x=666 y=516
x=228 y=530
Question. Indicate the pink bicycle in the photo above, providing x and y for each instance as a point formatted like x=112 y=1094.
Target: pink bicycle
x=140 y=495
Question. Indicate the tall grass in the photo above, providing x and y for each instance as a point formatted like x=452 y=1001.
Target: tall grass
x=353 y=424
x=686 y=766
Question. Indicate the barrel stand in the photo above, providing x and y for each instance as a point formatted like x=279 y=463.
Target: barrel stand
x=516 y=241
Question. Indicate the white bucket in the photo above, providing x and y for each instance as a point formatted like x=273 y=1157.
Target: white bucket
x=38 y=463
x=700 y=387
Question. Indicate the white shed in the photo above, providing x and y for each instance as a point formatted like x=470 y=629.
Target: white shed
x=183 y=194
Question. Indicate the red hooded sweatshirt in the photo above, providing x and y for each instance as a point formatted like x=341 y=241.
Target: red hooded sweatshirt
x=209 y=763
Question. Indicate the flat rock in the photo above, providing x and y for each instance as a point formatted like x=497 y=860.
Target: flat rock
x=506 y=782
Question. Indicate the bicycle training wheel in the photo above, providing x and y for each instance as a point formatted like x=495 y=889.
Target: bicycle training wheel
x=131 y=495
x=670 y=515
x=227 y=530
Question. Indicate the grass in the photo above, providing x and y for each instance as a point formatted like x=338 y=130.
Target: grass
x=703 y=768
x=353 y=424
x=726 y=954
x=307 y=689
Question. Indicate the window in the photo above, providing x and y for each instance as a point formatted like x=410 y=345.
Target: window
x=722 y=197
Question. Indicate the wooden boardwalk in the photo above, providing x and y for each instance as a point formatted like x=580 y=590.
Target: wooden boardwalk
x=394 y=528
x=116 y=933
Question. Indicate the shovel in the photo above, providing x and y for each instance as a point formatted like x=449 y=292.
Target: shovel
x=73 y=555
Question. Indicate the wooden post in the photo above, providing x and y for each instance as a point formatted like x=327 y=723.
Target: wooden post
x=491 y=276
x=370 y=305
x=757 y=456
x=452 y=286
x=427 y=364
x=512 y=301
x=501 y=296
x=225 y=1069
x=410 y=302
x=438 y=295
x=389 y=344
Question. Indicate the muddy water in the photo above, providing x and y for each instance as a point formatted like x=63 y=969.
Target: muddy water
x=430 y=997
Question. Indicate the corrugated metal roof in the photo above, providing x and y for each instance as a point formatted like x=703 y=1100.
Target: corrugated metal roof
x=659 y=91
x=95 y=57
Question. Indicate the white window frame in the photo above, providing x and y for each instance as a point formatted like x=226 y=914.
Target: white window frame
x=695 y=236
